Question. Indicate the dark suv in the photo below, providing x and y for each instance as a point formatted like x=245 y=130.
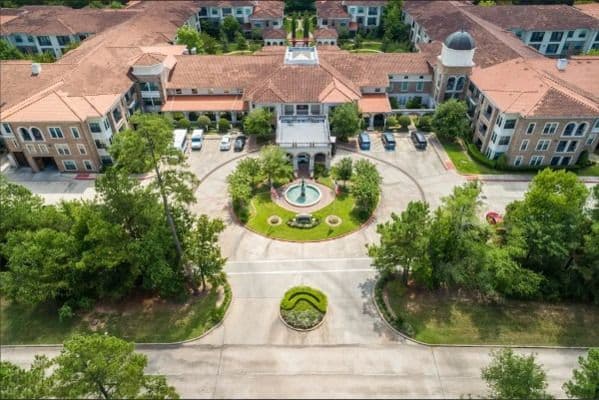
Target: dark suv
x=419 y=140
x=388 y=140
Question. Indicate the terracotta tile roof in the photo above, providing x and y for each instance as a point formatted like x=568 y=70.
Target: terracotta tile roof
x=366 y=3
x=591 y=9
x=530 y=17
x=147 y=59
x=374 y=103
x=537 y=87
x=274 y=33
x=493 y=44
x=325 y=33
x=59 y=20
x=330 y=9
x=268 y=10
x=204 y=103
x=226 y=3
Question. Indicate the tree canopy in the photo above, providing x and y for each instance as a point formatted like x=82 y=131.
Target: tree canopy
x=274 y=164
x=450 y=121
x=258 y=122
x=585 y=380
x=345 y=120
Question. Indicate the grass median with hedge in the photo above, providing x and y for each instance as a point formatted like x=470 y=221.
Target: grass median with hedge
x=303 y=307
x=138 y=319
x=438 y=317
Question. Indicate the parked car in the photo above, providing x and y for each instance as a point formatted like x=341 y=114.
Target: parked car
x=388 y=140
x=419 y=140
x=197 y=139
x=239 y=143
x=180 y=140
x=364 y=141
x=225 y=143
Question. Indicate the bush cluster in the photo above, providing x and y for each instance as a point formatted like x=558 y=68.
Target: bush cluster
x=294 y=224
x=397 y=321
x=303 y=307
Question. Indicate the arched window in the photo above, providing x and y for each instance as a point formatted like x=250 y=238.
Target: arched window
x=569 y=129
x=581 y=129
x=25 y=135
x=37 y=134
x=460 y=84
x=450 y=83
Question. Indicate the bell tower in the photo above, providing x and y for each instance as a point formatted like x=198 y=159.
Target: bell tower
x=454 y=66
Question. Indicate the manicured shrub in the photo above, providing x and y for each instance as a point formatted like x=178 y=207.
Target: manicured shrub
x=394 y=103
x=303 y=307
x=204 y=122
x=223 y=125
x=424 y=123
x=391 y=121
x=183 y=123
x=404 y=121
x=414 y=102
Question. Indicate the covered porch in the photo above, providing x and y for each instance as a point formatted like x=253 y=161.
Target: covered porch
x=230 y=107
x=375 y=108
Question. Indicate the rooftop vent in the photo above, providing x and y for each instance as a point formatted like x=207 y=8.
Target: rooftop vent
x=562 y=63
x=36 y=69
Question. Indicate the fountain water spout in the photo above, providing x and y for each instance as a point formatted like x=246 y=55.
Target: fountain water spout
x=303 y=189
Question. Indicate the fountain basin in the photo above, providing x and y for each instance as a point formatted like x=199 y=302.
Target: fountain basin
x=293 y=195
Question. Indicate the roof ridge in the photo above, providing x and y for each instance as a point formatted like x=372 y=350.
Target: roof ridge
x=68 y=106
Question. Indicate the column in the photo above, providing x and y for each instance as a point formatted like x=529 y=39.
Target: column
x=216 y=117
x=311 y=163
x=371 y=121
x=295 y=166
x=233 y=117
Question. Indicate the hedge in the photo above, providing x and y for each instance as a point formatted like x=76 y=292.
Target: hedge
x=304 y=293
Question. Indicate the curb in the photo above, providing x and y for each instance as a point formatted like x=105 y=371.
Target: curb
x=140 y=345
x=497 y=346
x=318 y=325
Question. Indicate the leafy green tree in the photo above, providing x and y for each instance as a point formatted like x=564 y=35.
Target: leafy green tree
x=9 y=52
x=365 y=187
x=239 y=187
x=190 y=37
x=44 y=57
x=393 y=26
x=343 y=170
x=274 y=164
x=18 y=208
x=204 y=122
x=224 y=125
x=209 y=44
x=240 y=40
x=345 y=120
x=404 y=121
x=404 y=242
x=18 y=383
x=512 y=376
x=258 y=122
x=549 y=222
x=585 y=380
x=450 y=121
x=108 y=368
x=358 y=41
x=231 y=27
x=204 y=259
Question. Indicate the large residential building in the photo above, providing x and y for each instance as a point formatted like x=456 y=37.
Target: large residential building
x=553 y=30
x=349 y=14
x=251 y=14
x=534 y=110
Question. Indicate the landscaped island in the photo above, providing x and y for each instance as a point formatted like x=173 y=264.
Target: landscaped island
x=303 y=307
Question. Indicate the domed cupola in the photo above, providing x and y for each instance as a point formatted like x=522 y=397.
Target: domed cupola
x=458 y=50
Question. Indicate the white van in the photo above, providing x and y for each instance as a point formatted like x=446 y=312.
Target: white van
x=197 y=139
x=180 y=140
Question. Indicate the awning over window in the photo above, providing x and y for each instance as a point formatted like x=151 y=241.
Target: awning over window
x=204 y=103
x=374 y=103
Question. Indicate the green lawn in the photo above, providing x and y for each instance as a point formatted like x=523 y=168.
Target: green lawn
x=262 y=208
x=462 y=161
x=593 y=170
x=442 y=318
x=139 y=320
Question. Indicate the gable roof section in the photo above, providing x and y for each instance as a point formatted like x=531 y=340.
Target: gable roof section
x=331 y=9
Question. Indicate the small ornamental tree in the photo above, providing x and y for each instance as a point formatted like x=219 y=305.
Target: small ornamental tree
x=274 y=164
x=258 y=122
x=365 y=187
x=404 y=121
x=240 y=40
x=450 y=121
x=345 y=120
x=190 y=37
x=512 y=376
x=585 y=381
x=204 y=122
x=230 y=27
x=343 y=170
x=204 y=260
x=223 y=125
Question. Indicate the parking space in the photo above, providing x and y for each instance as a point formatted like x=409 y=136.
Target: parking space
x=210 y=156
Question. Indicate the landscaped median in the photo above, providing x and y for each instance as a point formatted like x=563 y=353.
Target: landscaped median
x=138 y=319
x=443 y=317
x=303 y=308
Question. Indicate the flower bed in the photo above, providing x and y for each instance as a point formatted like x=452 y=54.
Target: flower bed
x=303 y=307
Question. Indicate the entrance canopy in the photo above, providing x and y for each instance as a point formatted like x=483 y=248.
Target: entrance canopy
x=204 y=103
x=374 y=103
x=302 y=131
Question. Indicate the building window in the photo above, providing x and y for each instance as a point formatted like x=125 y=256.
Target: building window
x=572 y=146
x=288 y=109
x=504 y=140
x=561 y=146
x=582 y=35
x=460 y=84
x=31 y=148
x=95 y=127
x=75 y=132
x=37 y=134
x=570 y=34
x=371 y=21
x=556 y=36
x=373 y=11
x=82 y=149
x=555 y=160
x=488 y=111
x=482 y=128
x=550 y=128
x=518 y=161
x=63 y=40
x=44 y=40
x=537 y=36
x=55 y=133
x=509 y=124
x=117 y=115
x=524 y=145
x=106 y=124
x=227 y=11
x=301 y=109
x=88 y=165
x=531 y=128
x=590 y=139
x=535 y=161
x=43 y=148
x=100 y=144
x=552 y=48
x=580 y=131
x=404 y=86
x=419 y=86
x=315 y=109
x=7 y=128
x=69 y=165
x=63 y=149
x=543 y=145
x=569 y=129
x=25 y=135
x=450 y=84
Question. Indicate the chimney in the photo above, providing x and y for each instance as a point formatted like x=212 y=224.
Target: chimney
x=36 y=69
x=562 y=63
